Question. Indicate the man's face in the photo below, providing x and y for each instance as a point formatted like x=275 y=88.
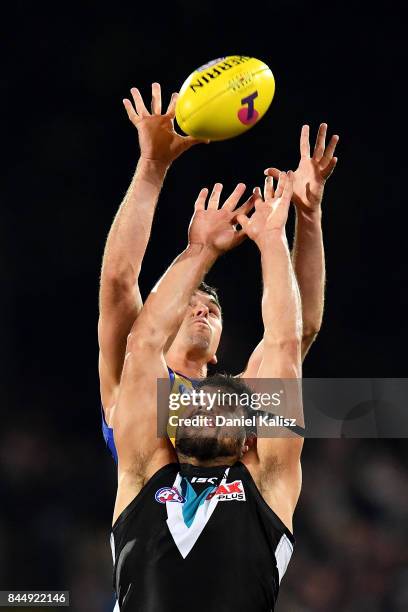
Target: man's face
x=201 y=328
x=212 y=439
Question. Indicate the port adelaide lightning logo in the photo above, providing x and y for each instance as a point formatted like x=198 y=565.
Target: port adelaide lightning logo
x=188 y=512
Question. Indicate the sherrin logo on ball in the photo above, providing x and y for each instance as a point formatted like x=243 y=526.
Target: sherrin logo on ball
x=225 y=97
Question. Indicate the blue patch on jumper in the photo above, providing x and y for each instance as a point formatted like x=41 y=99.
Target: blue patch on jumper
x=192 y=500
x=108 y=435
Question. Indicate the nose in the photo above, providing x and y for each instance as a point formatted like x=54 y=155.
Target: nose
x=201 y=310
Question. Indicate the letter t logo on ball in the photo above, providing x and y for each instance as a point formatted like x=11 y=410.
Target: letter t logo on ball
x=248 y=115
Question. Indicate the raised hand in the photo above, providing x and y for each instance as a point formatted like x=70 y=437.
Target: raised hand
x=312 y=173
x=271 y=211
x=216 y=227
x=158 y=140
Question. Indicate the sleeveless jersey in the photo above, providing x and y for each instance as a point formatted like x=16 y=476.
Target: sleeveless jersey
x=199 y=539
x=178 y=384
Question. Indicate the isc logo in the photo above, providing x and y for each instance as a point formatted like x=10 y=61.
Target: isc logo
x=231 y=491
x=211 y=480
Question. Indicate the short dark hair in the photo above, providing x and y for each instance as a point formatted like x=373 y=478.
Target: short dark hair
x=210 y=291
x=233 y=384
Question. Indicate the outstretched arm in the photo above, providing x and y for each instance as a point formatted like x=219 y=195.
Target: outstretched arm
x=309 y=181
x=134 y=418
x=281 y=305
x=212 y=231
x=120 y=300
x=277 y=470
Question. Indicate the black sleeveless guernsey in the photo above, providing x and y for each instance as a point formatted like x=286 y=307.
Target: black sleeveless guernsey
x=199 y=539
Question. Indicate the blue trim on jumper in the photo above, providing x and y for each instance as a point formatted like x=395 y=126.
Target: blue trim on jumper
x=108 y=435
x=108 y=431
x=193 y=501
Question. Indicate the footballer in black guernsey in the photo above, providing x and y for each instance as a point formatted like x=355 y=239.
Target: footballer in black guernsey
x=206 y=523
x=201 y=536
x=202 y=539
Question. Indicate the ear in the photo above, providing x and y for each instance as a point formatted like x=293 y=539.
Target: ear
x=250 y=442
x=213 y=360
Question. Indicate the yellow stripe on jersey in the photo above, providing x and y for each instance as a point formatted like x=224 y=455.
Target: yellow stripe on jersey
x=180 y=385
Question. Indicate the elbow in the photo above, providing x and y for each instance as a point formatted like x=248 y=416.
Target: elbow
x=310 y=333
x=121 y=278
x=286 y=344
x=286 y=354
x=143 y=341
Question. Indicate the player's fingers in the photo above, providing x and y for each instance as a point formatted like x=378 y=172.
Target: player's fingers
x=200 y=201
x=282 y=204
x=258 y=196
x=326 y=172
x=215 y=197
x=139 y=104
x=329 y=152
x=304 y=142
x=156 y=99
x=268 y=188
x=240 y=236
x=257 y=191
x=320 y=144
x=287 y=189
x=245 y=208
x=131 y=113
x=281 y=184
x=272 y=172
x=243 y=221
x=231 y=202
x=189 y=141
x=171 y=109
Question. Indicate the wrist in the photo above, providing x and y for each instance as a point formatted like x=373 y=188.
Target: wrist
x=204 y=251
x=152 y=168
x=308 y=226
x=310 y=215
x=270 y=237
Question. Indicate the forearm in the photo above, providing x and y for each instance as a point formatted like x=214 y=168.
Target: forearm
x=167 y=303
x=130 y=232
x=281 y=306
x=309 y=266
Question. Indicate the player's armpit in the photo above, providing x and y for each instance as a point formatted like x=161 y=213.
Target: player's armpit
x=280 y=474
x=283 y=452
x=307 y=341
x=256 y=358
x=254 y=362
x=281 y=359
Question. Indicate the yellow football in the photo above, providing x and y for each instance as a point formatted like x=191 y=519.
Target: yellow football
x=225 y=97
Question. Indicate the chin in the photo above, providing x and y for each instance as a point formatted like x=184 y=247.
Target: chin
x=200 y=342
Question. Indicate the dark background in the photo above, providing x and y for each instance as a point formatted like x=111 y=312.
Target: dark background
x=69 y=154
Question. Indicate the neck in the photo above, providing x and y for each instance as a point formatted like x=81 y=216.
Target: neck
x=182 y=363
x=209 y=463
